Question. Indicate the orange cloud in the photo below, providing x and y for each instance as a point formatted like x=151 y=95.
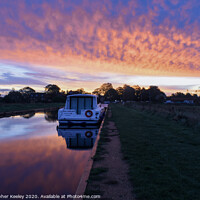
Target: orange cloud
x=92 y=42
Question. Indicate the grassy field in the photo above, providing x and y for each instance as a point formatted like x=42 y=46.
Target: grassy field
x=27 y=106
x=186 y=114
x=164 y=156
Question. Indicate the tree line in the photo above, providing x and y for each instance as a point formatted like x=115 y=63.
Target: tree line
x=106 y=92
x=128 y=93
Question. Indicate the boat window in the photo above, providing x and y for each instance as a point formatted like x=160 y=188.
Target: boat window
x=88 y=103
x=73 y=103
x=81 y=103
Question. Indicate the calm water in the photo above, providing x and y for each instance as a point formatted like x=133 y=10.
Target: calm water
x=35 y=158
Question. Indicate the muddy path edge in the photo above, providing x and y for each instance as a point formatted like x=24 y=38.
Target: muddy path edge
x=83 y=181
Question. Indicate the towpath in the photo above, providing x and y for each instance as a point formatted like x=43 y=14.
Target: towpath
x=113 y=182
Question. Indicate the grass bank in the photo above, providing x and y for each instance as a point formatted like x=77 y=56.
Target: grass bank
x=188 y=115
x=163 y=155
x=97 y=175
x=27 y=106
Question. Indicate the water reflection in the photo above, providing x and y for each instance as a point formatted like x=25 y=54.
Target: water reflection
x=51 y=116
x=79 y=138
x=28 y=115
x=34 y=160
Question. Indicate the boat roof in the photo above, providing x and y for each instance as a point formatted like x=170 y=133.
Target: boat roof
x=81 y=95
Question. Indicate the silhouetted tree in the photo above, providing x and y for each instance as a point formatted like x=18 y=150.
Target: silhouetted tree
x=178 y=94
x=188 y=95
x=27 y=90
x=103 y=89
x=137 y=92
x=128 y=93
x=144 y=95
x=120 y=91
x=14 y=97
x=97 y=91
x=81 y=91
x=1 y=98
x=52 y=89
x=111 y=95
x=155 y=94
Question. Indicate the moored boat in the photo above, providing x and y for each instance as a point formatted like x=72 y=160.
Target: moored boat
x=81 y=109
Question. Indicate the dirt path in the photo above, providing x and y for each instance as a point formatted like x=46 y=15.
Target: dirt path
x=114 y=183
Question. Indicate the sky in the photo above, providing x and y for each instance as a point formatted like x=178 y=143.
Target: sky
x=84 y=43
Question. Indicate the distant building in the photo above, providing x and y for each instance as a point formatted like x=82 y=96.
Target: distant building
x=185 y=100
x=38 y=97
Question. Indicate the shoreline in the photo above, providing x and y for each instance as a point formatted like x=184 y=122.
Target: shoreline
x=29 y=109
x=83 y=181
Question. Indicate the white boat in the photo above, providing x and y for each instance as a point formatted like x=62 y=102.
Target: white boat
x=81 y=109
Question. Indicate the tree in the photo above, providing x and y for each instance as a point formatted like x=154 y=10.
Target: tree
x=120 y=91
x=111 y=95
x=103 y=89
x=52 y=89
x=128 y=93
x=14 y=97
x=144 y=95
x=155 y=94
x=178 y=94
x=27 y=90
x=1 y=98
x=81 y=91
x=137 y=92
x=188 y=95
x=97 y=91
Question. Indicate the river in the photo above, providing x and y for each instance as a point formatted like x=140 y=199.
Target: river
x=36 y=158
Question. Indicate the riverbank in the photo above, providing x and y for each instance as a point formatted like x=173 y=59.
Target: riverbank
x=15 y=109
x=162 y=156
x=109 y=173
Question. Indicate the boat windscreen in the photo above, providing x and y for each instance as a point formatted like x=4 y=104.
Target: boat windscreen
x=81 y=103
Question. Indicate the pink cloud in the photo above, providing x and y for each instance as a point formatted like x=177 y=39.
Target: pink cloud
x=96 y=41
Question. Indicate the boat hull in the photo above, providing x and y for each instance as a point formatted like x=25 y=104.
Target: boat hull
x=67 y=117
x=78 y=122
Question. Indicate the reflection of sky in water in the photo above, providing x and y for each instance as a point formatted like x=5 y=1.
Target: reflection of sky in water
x=16 y=126
x=34 y=160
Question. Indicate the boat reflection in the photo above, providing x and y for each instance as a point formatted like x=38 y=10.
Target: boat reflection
x=79 y=138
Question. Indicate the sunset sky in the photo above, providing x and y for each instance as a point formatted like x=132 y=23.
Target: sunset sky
x=75 y=44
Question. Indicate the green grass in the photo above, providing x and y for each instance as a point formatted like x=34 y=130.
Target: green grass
x=164 y=156
x=98 y=170
x=96 y=175
x=27 y=106
x=100 y=152
x=111 y=182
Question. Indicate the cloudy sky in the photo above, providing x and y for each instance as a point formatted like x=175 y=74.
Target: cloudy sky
x=74 y=43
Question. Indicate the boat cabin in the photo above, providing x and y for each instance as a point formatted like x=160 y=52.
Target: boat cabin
x=80 y=102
